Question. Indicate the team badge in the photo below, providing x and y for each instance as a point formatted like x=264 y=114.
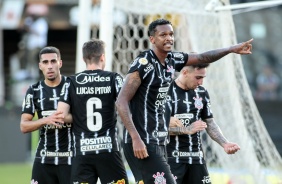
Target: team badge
x=198 y=102
x=159 y=178
x=143 y=61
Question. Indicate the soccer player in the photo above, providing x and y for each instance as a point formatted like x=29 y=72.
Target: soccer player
x=52 y=162
x=141 y=102
x=189 y=103
x=90 y=96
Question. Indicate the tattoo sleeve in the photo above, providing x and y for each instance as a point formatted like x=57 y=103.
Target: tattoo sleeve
x=214 y=132
x=212 y=55
x=180 y=130
x=130 y=86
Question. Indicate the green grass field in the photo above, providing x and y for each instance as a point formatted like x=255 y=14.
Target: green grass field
x=18 y=173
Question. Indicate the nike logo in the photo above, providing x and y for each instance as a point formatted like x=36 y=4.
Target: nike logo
x=39 y=101
x=175 y=101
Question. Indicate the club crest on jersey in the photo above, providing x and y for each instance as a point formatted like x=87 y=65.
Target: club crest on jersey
x=159 y=178
x=198 y=102
x=143 y=61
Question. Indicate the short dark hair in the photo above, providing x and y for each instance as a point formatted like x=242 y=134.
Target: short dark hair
x=152 y=27
x=200 y=65
x=93 y=49
x=49 y=49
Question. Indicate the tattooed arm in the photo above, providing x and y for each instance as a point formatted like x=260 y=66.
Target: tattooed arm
x=130 y=86
x=177 y=128
x=214 y=55
x=215 y=133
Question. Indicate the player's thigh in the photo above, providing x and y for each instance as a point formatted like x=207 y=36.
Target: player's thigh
x=64 y=173
x=44 y=173
x=132 y=162
x=82 y=170
x=155 y=168
x=178 y=170
x=110 y=168
x=197 y=174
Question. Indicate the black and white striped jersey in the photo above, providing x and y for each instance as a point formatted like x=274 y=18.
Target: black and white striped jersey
x=188 y=106
x=91 y=95
x=148 y=104
x=55 y=144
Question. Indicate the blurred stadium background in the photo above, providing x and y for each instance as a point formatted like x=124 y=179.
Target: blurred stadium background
x=264 y=24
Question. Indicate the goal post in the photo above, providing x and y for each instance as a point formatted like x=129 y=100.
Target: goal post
x=198 y=30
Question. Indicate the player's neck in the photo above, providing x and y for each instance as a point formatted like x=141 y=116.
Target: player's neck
x=53 y=83
x=180 y=84
x=161 y=55
x=94 y=67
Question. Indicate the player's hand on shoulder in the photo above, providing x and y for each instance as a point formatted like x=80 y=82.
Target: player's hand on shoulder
x=231 y=148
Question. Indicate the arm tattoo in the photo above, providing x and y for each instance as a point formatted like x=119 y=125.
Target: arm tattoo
x=214 y=132
x=130 y=86
x=180 y=130
x=212 y=55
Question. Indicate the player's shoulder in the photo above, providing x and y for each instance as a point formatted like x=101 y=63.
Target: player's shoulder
x=201 y=89
x=178 y=55
x=37 y=85
x=142 y=59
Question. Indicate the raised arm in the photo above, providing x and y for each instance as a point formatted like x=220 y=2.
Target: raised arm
x=130 y=86
x=29 y=125
x=214 y=55
x=215 y=133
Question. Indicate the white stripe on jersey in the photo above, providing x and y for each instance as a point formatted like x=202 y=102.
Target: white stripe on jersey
x=56 y=130
x=74 y=144
x=116 y=137
x=57 y=145
x=177 y=147
x=145 y=108
x=69 y=145
x=198 y=133
x=56 y=99
x=189 y=136
x=45 y=145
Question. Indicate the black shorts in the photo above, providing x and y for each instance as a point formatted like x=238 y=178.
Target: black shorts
x=189 y=173
x=153 y=169
x=132 y=162
x=108 y=167
x=49 y=173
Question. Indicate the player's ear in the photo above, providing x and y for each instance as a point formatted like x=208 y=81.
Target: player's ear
x=103 y=58
x=39 y=66
x=60 y=63
x=152 y=39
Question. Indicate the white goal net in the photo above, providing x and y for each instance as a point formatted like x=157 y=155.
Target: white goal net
x=198 y=30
